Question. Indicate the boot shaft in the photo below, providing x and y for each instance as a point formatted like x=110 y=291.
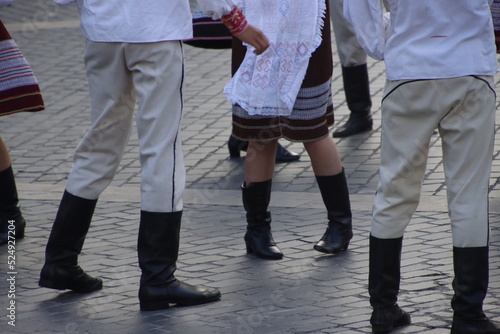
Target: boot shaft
x=357 y=89
x=9 y=201
x=335 y=194
x=158 y=246
x=69 y=229
x=256 y=197
x=470 y=284
x=385 y=271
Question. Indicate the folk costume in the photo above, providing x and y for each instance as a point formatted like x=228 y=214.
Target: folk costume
x=289 y=84
x=19 y=92
x=133 y=50
x=440 y=61
x=286 y=93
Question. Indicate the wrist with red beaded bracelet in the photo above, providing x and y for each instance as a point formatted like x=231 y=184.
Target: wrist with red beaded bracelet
x=235 y=21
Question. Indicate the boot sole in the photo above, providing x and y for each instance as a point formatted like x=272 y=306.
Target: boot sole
x=342 y=134
x=260 y=256
x=404 y=320
x=164 y=304
x=335 y=251
x=45 y=283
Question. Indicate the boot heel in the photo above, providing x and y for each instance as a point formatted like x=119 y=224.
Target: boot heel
x=235 y=146
x=249 y=249
x=51 y=285
x=234 y=152
x=346 y=246
x=153 y=306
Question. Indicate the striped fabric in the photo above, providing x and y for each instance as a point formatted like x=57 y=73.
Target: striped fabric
x=495 y=12
x=310 y=119
x=210 y=34
x=19 y=90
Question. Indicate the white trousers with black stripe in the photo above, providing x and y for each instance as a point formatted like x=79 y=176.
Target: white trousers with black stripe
x=118 y=75
x=463 y=110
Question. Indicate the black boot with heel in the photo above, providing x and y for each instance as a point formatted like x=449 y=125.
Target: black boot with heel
x=258 y=238
x=12 y=223
x=335 y=194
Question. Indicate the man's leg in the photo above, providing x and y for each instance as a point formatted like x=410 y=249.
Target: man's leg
x=158 y=83
x=354 y=74
x=467 y=133
x=95 y=162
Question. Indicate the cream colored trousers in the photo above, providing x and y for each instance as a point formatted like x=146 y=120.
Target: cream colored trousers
x=119 y=74
x=463 y=110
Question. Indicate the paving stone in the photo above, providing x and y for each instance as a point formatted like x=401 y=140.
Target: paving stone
x=306 y=292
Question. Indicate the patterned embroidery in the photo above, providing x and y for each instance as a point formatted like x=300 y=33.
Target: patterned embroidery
x=268 y=84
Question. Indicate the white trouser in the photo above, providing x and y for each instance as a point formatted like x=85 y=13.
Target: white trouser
x=463 y=110
x=117 y=73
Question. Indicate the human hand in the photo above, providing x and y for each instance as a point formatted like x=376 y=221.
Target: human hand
x=256 y=38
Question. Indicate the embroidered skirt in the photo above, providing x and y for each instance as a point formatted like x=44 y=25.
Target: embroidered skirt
x=312 y=114
x=19 y=90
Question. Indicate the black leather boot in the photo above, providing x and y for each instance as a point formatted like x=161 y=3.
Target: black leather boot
x=357 y=93
x=258 y=238
x=235 y=147
x=335 y=194
x=157 y=249
x=61 y=270
x=12 y=222
x=383 y=285
x=470 y=285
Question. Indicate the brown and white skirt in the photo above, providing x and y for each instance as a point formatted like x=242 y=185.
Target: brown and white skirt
x=312 y=113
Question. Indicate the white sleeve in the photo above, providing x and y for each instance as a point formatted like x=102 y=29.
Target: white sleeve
x=216 y=8
x=372 y=27
x=64 y=2
x=4 y=3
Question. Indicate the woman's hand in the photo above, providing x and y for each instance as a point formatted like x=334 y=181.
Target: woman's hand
x=256 y=38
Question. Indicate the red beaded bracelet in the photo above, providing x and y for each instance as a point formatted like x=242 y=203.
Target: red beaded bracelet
x=235 y=21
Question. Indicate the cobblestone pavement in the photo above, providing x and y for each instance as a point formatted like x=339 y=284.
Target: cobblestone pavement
x=306 y=292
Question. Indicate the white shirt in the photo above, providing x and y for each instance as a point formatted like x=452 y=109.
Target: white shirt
x=426 y=39
x=141 y=21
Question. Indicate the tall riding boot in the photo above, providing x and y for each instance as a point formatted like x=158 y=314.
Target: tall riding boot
x=235 y=147
x=158 y=248
x=383 y=285
x=335 y=194
x=357 y=93
x=258 y=238
x=12 y=222
x=470 y=285
x=61 y=270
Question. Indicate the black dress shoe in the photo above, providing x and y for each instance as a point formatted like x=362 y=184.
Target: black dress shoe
x=354 y=125
x=283 y=155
